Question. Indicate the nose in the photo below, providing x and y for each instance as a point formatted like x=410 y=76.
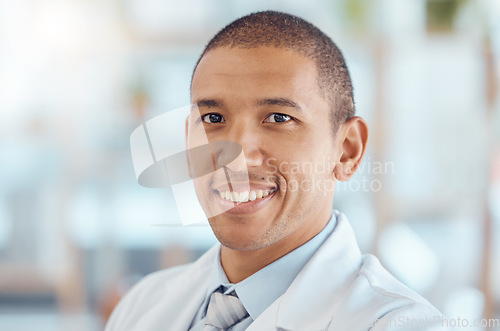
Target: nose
x=248 y=139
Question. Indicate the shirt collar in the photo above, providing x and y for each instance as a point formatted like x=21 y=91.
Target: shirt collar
x=261 y=289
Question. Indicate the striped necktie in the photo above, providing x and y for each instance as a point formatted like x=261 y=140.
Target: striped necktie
x=224 y=311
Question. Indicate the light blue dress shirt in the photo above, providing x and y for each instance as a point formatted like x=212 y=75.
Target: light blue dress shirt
x=261 y=289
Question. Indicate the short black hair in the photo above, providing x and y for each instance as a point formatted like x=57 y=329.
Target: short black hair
x=281 y=30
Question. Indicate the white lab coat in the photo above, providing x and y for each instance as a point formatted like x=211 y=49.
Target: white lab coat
x=338 y=289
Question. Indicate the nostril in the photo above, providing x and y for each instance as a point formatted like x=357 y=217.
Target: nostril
x=225 y=152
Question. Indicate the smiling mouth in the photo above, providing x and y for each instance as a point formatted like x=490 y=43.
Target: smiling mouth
x=245 y=196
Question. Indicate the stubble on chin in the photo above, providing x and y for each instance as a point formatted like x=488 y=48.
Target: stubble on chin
x=246 y=241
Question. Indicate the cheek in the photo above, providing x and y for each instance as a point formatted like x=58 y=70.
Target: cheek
x=307 y=176
x=300 y=159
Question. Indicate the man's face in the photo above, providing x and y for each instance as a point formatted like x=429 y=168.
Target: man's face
x=268 y=101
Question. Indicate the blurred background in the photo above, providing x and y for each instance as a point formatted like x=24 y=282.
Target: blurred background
x=76 y=77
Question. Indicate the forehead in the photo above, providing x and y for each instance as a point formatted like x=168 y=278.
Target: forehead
x=255 y=72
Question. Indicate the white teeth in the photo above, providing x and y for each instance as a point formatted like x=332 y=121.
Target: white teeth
x=244 y=196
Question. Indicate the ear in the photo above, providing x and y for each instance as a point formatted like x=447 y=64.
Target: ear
x=353 y=136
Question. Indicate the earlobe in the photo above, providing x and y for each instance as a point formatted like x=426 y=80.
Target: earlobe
x=353 y=139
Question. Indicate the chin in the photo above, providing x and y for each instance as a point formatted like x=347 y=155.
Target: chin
x=233 y=238
x=245 y=246
x=239 y=241
x=240 y=246
x=243 y=239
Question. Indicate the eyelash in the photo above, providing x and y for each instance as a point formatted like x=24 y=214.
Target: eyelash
x=204 y=117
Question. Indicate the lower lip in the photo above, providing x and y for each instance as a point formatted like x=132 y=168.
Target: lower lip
x=243 y=207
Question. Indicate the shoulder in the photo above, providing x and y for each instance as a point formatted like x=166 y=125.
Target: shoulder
x=414 y=316
x=151 y=291
x=384 y=284
x=152 y=285
x=376 y=300
x=408 y=309
x=143 y=295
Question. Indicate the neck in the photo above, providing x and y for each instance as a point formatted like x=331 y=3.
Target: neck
x=239 y=265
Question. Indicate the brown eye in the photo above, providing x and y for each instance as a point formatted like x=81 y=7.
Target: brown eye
x=277 y=118
x=213 y=118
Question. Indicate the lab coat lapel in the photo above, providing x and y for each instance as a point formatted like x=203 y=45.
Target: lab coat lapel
x=312 y=298
x=183 y=297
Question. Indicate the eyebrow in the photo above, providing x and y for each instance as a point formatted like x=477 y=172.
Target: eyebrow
x=209 y=103
x=281 y=102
